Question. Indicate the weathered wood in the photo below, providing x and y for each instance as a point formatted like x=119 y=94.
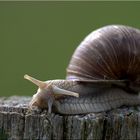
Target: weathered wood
x=18 y=123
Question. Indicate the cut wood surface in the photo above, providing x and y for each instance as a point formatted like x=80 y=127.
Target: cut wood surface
x=18 y=123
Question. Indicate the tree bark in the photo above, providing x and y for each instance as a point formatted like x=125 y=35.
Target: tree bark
x=18 y=123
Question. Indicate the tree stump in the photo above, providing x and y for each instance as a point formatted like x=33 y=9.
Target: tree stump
x=18 y=123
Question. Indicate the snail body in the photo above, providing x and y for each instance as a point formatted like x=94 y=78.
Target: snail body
x=104 y=73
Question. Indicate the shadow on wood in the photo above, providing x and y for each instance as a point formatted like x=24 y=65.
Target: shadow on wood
x=17 y=123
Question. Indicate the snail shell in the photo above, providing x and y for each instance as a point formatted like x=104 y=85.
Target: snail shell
x=111 y=52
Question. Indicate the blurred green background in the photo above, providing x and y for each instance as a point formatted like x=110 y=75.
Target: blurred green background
x=38 y=38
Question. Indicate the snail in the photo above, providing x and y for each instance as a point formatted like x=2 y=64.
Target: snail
x=103 y=74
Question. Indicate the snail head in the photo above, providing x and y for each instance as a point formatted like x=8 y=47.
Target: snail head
x=46 y=93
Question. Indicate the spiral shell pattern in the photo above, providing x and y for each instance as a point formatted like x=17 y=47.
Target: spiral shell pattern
x=111 y=52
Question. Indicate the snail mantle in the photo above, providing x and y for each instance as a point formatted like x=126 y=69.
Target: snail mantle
x=18 y=124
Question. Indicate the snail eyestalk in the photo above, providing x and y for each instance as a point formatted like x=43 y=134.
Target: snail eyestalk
x=39 y=83
x=58 y=90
